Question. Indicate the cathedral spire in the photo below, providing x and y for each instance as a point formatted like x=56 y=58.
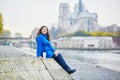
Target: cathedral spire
x=79 y=7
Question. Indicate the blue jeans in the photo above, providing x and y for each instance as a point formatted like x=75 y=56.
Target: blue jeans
x=59 y=59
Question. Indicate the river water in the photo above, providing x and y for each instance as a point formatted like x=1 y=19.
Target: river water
x=91 y=64
x=105 y=58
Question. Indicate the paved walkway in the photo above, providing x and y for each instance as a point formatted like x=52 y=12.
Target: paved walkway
x=91 y=72
x=12 y=52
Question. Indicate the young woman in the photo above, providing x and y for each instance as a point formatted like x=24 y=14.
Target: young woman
x=44 y=45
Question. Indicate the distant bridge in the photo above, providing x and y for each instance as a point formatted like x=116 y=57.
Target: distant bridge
x=16 y=39
x=19 y=40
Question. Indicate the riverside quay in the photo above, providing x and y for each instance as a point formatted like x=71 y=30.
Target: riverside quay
x=87 y=43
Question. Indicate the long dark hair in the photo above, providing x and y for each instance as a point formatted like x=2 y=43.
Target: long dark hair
x=40 y=32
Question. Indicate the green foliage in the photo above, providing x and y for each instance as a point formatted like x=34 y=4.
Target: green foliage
x=5 y=34
x=97 y=33
x=1 y=24
x=101 y=34
x=116 y=33
x=65 y=35
x=77 y=33
x=18 y=35
x=81 y=33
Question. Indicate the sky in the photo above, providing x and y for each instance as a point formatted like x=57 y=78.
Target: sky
x=24 y=15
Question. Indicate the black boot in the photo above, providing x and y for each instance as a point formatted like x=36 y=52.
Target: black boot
x=69 y=71
x=63 y=64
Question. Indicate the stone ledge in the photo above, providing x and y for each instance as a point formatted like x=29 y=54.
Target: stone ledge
x=31 y=69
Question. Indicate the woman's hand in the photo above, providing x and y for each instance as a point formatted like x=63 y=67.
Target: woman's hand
x=56 y=53
x=40 y=57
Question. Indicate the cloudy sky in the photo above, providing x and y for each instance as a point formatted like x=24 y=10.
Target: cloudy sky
x=24 y=15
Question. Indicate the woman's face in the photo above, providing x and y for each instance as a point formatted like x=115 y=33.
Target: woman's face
x=44 y=30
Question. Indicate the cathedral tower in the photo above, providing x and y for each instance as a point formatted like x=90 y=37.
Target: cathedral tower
x=63 y=13
x=79 y=7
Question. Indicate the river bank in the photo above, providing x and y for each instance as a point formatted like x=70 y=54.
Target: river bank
x=89 y=48
x=87 y=71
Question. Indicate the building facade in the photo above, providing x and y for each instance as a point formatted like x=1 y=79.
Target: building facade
x=86 y=43
x=80 y=19
x=114 y=29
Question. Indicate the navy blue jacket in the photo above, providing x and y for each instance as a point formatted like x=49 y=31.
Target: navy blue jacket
x=43 y=45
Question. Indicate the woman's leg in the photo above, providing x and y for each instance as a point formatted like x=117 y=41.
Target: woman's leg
x=59 y=59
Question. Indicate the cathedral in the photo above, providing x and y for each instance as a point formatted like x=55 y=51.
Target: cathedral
x=80 y=19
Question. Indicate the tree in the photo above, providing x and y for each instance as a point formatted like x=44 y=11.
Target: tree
x=18 y=35
x=81 y=33
x=5 y=34
x=53 y=32
x=34 y=32
x=102 y=34
x=116 y=33
x=1 y=24
x=77 y=33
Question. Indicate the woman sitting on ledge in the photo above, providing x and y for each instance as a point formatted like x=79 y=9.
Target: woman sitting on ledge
x=44 y=45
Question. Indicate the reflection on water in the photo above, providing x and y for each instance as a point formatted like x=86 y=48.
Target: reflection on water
x=108 y=58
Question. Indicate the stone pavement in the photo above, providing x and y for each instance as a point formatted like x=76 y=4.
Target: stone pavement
x=12 y=52
x=31 y=69
x=87 y=71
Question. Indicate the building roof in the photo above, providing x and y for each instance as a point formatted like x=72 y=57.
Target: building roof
x=86 y=14
x=72 y=16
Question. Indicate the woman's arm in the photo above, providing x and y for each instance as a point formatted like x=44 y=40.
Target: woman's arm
x=46 y=42
x=51 y=47
x=39 y=46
